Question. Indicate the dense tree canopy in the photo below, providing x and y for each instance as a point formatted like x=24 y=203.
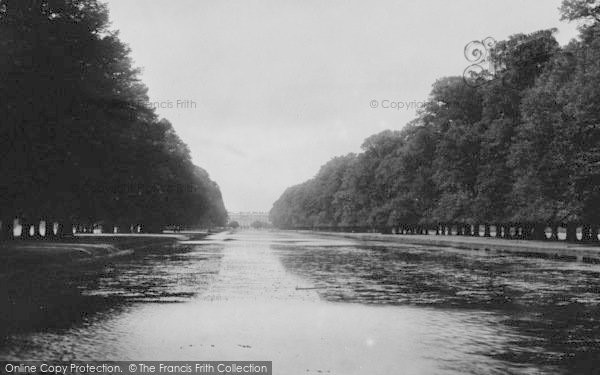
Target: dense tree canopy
x=523 y=147
x=78 y=138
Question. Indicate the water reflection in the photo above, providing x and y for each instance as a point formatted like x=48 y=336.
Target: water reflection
x=549 y=310
x=53 y=299
x=312 y=305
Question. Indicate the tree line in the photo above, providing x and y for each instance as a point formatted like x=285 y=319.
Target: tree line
x=523 y=147
x=79 y=140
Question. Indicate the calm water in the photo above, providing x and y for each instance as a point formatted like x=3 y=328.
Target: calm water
x=312 y=305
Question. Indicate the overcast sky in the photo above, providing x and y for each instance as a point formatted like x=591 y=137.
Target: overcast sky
x=269 y=91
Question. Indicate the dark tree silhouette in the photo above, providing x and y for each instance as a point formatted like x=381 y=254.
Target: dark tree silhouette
x=78 y=138
x=522 y=148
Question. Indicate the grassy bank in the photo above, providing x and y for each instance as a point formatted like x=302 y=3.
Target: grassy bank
x=542 y=249
x=85 y=247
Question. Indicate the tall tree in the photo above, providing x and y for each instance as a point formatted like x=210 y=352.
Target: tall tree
x=78 y=138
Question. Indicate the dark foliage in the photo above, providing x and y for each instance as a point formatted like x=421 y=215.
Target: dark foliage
x=522 y=148
x=78 y=139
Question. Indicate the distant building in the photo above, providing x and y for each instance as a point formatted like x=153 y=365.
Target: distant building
x=247 y=218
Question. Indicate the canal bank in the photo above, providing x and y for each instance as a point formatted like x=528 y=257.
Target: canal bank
x=86 y=247
x=541 y=249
